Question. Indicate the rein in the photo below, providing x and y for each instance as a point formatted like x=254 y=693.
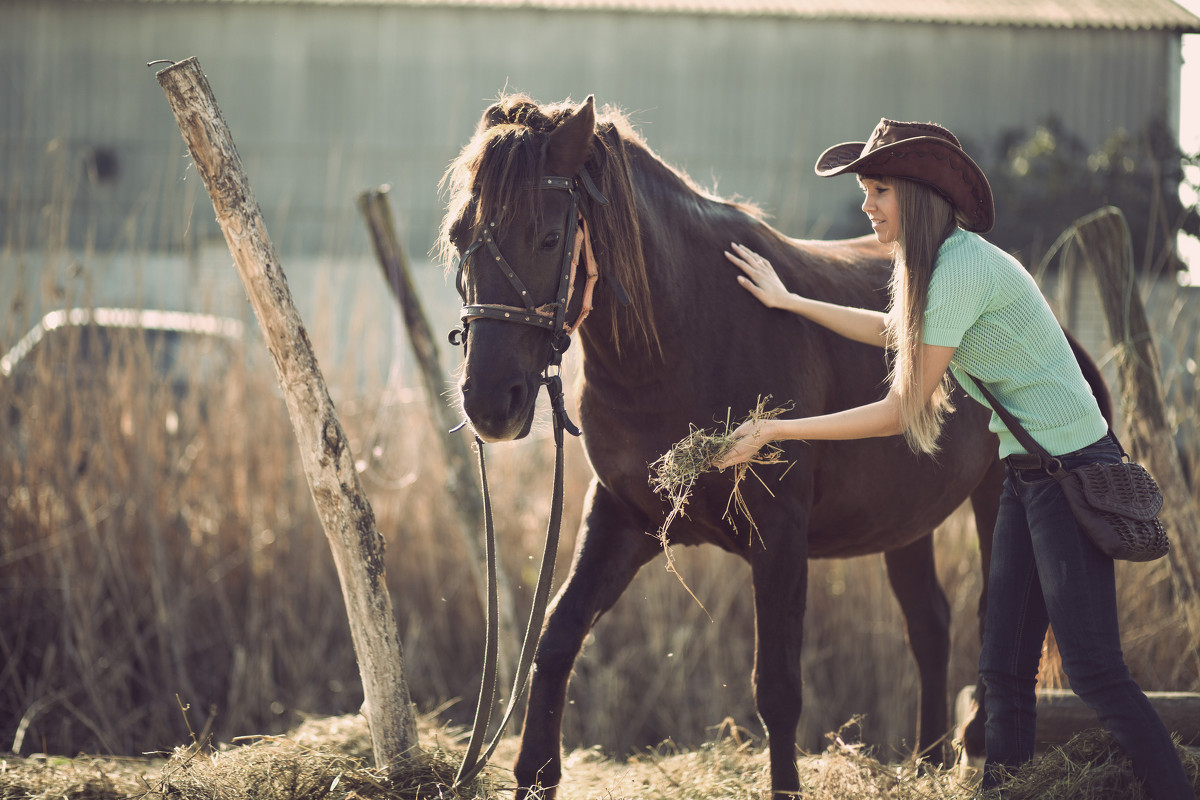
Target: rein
x=552 y=317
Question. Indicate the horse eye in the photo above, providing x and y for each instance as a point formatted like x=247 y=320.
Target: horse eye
x=551 y=241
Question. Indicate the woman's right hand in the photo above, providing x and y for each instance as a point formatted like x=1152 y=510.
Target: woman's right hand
x=759 y=277
x=745 y=442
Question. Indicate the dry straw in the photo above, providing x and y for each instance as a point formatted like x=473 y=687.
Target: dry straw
x=325 y=759
x=674 y=474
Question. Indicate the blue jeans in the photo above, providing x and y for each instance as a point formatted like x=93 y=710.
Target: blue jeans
x=1046 y=571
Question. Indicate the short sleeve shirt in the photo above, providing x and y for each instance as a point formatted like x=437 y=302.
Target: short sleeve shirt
x=982 y=302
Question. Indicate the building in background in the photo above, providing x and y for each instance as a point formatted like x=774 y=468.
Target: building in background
x=327 y=98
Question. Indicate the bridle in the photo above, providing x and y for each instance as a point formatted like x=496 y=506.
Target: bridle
x=552 y=317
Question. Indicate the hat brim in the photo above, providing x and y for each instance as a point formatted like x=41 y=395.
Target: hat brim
x=925 y=159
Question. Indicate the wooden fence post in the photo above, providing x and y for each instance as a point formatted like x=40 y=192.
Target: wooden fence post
x=462 y=484
x=345 y=514
x=1103 y=241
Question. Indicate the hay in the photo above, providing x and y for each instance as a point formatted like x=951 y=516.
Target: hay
x=326 y=758
x=286 y=768
x=1089 y=766
x=42 y=777
x=674 y=474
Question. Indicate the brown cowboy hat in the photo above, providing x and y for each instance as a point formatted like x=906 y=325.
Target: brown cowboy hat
x=919 y=151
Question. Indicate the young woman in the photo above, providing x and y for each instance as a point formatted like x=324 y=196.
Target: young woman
x=961 y=306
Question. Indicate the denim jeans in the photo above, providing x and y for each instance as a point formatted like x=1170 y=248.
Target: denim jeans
x=1045 y=570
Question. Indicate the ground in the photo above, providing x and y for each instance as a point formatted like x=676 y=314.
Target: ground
x=329 y=759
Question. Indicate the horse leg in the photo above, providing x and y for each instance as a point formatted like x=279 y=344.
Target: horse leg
x=609 y=552
x=780 y=573
x=926 y=612
x=985 y=502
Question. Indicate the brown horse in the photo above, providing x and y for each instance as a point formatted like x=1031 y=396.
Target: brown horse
x=672 y=341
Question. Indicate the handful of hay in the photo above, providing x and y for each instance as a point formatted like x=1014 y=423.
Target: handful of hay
x=675 y=473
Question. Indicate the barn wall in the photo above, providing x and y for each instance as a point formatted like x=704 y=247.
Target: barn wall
x=327 y=101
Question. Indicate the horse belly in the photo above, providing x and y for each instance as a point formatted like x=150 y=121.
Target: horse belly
x=884 y=526
x=876 y=496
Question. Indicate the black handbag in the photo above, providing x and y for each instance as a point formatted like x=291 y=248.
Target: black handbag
x=1117 y=504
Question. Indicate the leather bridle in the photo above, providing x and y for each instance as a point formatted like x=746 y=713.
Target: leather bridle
x=552 y=317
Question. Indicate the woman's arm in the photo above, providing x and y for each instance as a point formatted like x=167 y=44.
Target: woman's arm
x=761 y=280
x=881 y=418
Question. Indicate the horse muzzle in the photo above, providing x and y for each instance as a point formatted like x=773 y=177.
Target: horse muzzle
x=500 y=410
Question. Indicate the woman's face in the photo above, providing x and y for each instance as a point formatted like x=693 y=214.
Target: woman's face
x=882 y=207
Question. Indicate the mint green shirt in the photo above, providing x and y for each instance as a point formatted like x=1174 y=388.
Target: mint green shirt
x=985 y=304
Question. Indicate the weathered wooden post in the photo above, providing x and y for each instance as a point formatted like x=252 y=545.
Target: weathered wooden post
x=462 y=484
x=345 y=514
x=1102 y=239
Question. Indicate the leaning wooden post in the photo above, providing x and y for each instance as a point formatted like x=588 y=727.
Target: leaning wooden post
x=1104 y=243
x=463 y=486
x=345 y=514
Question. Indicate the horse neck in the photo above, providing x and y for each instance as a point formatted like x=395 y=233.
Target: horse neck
x=682 y=234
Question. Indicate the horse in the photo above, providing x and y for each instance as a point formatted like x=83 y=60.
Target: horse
x=669 y=340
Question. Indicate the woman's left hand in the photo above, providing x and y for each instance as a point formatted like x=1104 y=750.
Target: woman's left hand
x=748 y=439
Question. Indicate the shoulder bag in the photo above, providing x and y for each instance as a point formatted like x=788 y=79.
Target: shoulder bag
x=1117 y=504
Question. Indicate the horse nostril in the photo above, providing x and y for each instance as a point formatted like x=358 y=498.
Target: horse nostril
x=517 y=394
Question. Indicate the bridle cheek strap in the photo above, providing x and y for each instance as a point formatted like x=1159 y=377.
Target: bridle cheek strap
x=583 y=246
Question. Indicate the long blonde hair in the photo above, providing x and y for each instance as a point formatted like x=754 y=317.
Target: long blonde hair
x=926 y=219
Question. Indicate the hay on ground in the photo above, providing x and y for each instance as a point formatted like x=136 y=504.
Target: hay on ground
x=42 y=777
x=320 y=760
x=326 y=758
x=1091 y=765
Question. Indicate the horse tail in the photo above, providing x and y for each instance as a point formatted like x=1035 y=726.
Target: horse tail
x=1091 y=374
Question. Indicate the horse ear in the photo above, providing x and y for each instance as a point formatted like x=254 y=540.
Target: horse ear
x=492 y=117
x=570 y=142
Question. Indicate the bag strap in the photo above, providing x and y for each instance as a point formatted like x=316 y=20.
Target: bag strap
x=1015 y=427
x=1023 y=436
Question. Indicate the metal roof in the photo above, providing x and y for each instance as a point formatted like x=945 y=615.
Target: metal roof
x=1108 y=14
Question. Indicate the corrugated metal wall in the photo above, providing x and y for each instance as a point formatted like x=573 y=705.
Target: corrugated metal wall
x=326 y=101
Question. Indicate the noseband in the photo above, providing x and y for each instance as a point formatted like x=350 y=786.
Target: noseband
x=551 y=316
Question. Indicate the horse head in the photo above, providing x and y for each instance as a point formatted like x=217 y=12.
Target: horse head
x=521 y=201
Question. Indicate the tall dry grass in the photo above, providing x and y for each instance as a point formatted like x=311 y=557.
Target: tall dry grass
x=162 y=569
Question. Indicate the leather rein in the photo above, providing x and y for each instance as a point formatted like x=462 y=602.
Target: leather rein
x=551 y=317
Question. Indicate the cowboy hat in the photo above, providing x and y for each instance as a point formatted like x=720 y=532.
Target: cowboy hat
x=923 y=152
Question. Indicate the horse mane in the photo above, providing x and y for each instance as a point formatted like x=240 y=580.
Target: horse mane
x=494 y=178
